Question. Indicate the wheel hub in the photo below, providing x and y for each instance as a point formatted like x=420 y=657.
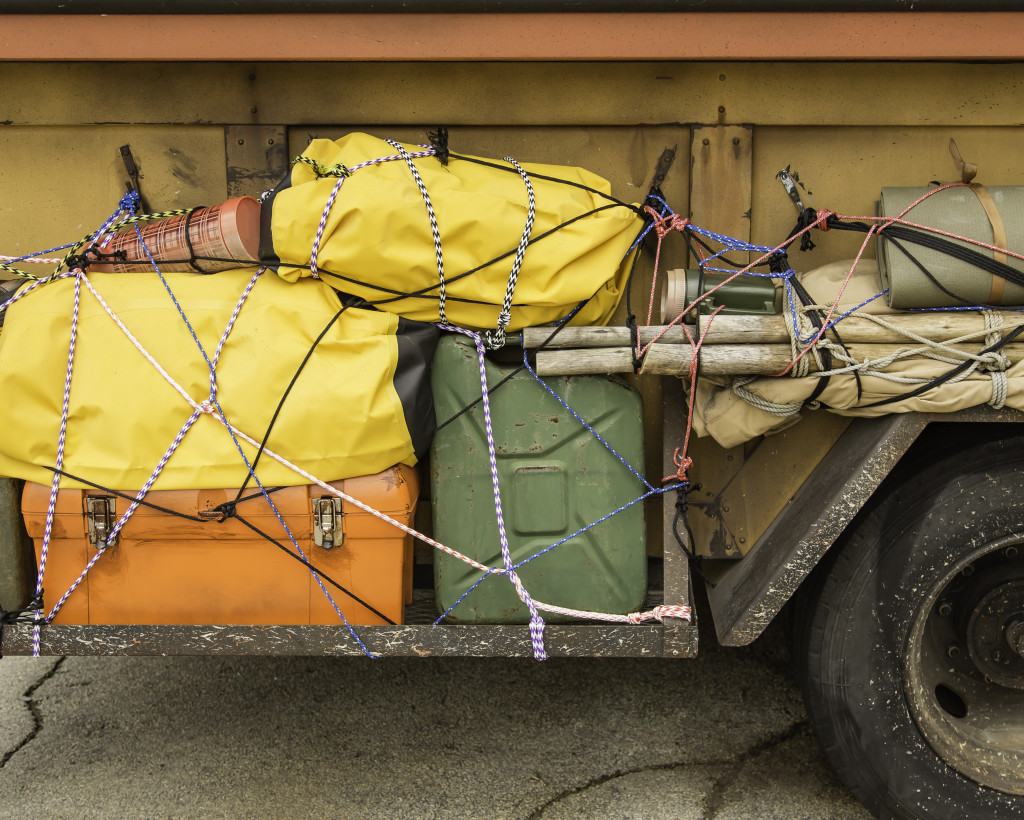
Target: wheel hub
x=965 y=667
x=995 y=634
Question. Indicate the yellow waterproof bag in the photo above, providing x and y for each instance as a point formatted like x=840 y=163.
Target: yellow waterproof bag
x=377 y=239
x=359 y=405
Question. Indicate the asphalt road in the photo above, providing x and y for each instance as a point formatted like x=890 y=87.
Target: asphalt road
x=724 y=736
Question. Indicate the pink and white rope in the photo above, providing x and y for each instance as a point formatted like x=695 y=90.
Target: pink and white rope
x=632 y=618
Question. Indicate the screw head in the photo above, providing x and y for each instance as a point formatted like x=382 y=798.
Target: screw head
x=954 y=651
x=945 y=609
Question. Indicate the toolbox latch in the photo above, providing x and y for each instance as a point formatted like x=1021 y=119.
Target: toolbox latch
x=101 y=515
x=327 y=531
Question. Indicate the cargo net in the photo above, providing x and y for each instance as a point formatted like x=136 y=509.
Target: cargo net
x=807 y=324
x=74 y=266
x=818 y=349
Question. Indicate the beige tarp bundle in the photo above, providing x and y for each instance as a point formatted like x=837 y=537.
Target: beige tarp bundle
x=725 y=406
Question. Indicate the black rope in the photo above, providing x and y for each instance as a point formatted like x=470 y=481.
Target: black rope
x=425 y=292
x=817 y=322
x=634 y=331
x=682 y=507
x=226 y=507
x=439 y=141
x=188 y=242
x=229 y=507
x=953 y=373
x=928 y=274
x=534 y=175
x=808 y=216
x=319 y=572
x=937 y=243
x=92 y=255
x=284 y=396
x=492 y=389
x=20 y=616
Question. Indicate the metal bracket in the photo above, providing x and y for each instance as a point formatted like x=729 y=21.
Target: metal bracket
x=327 y=531
x=101 y=515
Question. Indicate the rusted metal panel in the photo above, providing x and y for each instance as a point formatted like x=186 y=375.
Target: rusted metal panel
x=257 y=158
x=844 y=169
x=744 y=488
x=874 y=95
x=389 y=641
x=772 y=472
x=749 y=593
x=549 y=36
x=57 y=184
x=721 y=160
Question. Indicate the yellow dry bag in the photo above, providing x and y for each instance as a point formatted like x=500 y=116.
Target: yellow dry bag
x=355 y=211
x=359 y=404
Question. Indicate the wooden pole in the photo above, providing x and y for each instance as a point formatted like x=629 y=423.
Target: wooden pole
x=715 y=360
x=938 y=327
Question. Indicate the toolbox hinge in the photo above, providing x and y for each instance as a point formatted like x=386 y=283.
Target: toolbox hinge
x=101 y=515
x=327 y=531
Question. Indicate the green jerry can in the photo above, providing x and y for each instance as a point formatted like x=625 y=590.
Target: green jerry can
x=555 y=477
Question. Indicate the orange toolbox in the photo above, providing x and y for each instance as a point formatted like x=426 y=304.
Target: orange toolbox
x=166 y=569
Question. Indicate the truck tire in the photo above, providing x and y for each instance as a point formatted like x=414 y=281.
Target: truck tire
x=909 y=641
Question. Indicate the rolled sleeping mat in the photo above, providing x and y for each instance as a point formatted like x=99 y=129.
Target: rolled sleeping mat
x=992 y=215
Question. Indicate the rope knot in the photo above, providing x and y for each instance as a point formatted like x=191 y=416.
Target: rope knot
x=664 y=225
x=439 y=142
x=322 y=170
x=206 y=407
x=671 y=611
x=824 y=215
x=683 y=465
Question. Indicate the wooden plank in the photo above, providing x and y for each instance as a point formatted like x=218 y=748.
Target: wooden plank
x=739 y=330
x=716 y=360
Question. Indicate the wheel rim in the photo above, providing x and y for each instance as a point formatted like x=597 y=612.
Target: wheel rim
x=965 y=666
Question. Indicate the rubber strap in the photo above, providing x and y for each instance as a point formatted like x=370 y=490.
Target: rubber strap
x=968 y=170
x=998 y=238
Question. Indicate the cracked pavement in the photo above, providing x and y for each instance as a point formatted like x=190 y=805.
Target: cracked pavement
x=722 y=737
